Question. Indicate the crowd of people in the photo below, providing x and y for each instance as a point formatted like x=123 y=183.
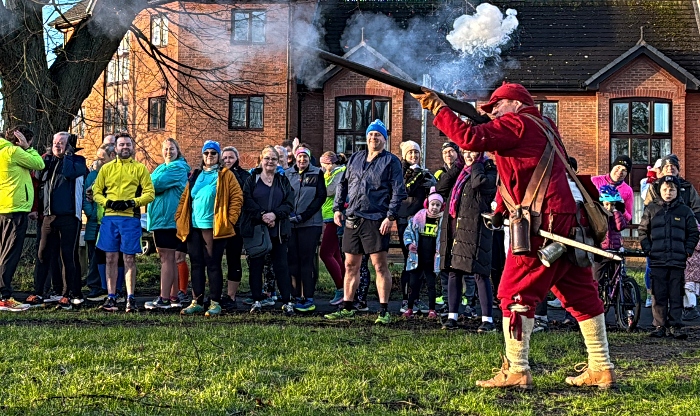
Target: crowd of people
x=351 y=206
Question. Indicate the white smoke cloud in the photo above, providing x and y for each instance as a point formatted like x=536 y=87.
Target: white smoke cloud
x=484 y=32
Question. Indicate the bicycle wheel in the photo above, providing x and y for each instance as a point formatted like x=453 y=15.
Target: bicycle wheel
x=628 y=304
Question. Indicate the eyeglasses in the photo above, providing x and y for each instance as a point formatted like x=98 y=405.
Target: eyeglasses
x=212 y=153
x=270 y=159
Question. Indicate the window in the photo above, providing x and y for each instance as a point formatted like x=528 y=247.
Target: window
x=549 y=109
x=245 y=112
x=118 y=69
x=116 y=117
x=353 y=115
x=156 y=113
x=248 y=27
x=159 y=30
x=641 y=129
x=124 y=45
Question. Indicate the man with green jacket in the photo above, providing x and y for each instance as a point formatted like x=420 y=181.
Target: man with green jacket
x=17 y=159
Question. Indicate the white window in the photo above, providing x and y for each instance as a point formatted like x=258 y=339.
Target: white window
x=159 y=30
x=248 y=27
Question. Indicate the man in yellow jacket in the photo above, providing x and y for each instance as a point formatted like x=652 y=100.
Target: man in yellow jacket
x=122 y=186
x=17 y=158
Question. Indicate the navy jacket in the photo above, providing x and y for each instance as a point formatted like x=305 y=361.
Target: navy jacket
x=668 y=233
x=374 y=192
x=62 y=183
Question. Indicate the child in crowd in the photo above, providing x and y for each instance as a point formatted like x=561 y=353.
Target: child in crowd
x=692 y=286
x=668 y=234
x=422 y=237
x=612 y=201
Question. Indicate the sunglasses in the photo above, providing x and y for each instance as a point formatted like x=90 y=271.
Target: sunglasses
x=212 y=153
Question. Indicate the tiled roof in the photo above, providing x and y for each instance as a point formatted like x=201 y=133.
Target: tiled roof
x=72 y=15
x=560 y=44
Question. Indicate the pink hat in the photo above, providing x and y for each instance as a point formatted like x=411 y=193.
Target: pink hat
x=434 y=196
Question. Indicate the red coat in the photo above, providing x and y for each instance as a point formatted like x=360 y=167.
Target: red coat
x=517 y=143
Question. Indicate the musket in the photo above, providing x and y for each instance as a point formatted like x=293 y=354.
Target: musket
x=459 y=106
x=566 y=241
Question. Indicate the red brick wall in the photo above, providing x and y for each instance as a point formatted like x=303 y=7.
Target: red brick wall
x=312 y=114
x=691 y=169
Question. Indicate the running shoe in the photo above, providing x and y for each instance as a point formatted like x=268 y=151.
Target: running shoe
x=540 y=325
x=96 y=295
x=689 y=314
x=306 y=305
x=556 y=303
x=288 y=308
x=408 y=314
x=360 y=306
x=340 y=314
x=52 y=298
x=131 y=305
x=192 y=309
x=465 y=301
x=338 y=298
x=12 y=305
x=214 y=309
x=158 y=303
x=64 y=304
x=110 y=304
x=450 y=325
x=384 y=318
x=421 y=307
x=77 y=300
x=257 y=307
x=175 y=302
x=183 y=297
x=121 y=297
x=659 y=332
x=678 y=332
x=34 y=301
x=432 y=314
x=404 y=307
x=248 y=301
x=267 y=302
x=227 y=303
x=468 y=314
x=485 y=327
x=440 y=300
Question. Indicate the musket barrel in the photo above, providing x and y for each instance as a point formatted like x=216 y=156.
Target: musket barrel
x=459 y=106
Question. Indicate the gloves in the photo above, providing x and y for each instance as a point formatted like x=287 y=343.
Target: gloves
x=110 y=204
x=121 y=205
x=497 y=220
x=294 y=218
x=651 y=176
x=429 y=100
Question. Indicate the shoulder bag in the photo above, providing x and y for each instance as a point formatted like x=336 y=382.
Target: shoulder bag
x=260 y=244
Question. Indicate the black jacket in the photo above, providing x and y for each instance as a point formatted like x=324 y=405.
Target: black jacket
x=418 y=182
x=688 y=194
x=252 y=212
x=62 y=183
x=668 y=233
x=241 y=176
x=465 y=242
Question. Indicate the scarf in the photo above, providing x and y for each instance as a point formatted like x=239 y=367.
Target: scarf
x=456 y=194
x=611 y=182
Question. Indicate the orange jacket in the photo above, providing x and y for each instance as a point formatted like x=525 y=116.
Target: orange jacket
x=227 y=206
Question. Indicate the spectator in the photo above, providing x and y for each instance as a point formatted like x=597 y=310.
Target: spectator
x=284 y=161
x=234 y=245
x=169 y=180
x=269 y=199
x=124 y=185
x=307 y=221
x=644 y=186
x=17 y=159
x=205 y=217
x=621 y=167
x=692 y=286
x=62 y=182
x=612 y=201
x=670 y=165
x=422 y=238
x=668 y=233
x=373 y=185
x=466 y=242
x=334 y=168
x=105 y=154
x=418 y=182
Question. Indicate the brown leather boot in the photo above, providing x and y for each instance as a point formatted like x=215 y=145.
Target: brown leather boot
x=505 y=379
x=603 y=379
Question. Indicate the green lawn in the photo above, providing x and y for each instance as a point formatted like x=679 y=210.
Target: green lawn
x=88 y=362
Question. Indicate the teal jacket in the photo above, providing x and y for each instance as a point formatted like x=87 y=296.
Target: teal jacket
x=169 y=182
x=90 y=208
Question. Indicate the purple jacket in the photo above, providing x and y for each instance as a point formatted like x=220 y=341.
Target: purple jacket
x=625 y=192
x=613 y=239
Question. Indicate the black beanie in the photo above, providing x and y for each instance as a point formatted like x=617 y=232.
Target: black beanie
x=671 y=160
x=452 y=145
x=672 y=179
x=623 y=161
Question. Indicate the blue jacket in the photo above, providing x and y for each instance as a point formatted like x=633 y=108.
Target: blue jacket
x=169 y=182
x=62 y=182
x=90 y=208
x=373 y=193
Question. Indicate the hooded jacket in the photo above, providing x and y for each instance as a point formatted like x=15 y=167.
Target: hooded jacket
x=62 y=183
x=123 y=180
x=687 y=193
x=16 y=189
x=169 y=180
x=332 y=180
x=227 y=206
x=309 y=195
x=668 y=233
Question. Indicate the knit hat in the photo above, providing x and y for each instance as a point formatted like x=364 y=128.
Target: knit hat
x=329 y=157
x=453 y=145
x=624 y=161
x=670 y=178
x=211 y=144
x=377 y=125
x=304 y=150
x=408 y=146
x=657 y=165
x=434 y=196
x=509 y=92
x=671 y=160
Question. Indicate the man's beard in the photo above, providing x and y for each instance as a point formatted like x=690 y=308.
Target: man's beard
x=121 y=154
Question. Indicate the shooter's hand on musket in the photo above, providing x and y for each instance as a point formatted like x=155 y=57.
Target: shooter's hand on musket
x=429 y=100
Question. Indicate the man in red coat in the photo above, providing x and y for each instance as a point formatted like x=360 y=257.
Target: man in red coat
x=518 y=144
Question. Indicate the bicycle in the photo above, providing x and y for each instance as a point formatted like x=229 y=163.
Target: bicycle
x=621 y=292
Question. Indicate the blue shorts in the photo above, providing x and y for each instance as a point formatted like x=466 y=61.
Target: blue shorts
x=120 y=234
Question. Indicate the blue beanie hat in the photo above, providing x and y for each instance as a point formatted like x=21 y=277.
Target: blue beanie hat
x=377 y=125
x=211 y=144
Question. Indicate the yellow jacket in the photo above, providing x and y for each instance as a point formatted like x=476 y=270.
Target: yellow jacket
x=16 y=189
x=122 y=180
x=227 y=206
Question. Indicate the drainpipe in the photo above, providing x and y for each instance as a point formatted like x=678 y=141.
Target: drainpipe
x=424 y=125
x=289 y=76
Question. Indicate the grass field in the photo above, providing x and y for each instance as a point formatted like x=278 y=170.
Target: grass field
x=89 y=362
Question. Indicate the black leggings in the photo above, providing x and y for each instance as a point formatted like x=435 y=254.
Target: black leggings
x=234 y=248
x=59 y=237
x=302 y=250
x=206 y=253
x=416 y=280
x=279 y=263
x=483 y=285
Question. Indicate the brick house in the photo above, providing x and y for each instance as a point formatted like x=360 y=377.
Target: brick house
x=618 y=76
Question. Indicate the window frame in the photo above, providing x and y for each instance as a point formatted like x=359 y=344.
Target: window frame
x=231 y=97
x=161 y=117
x=352 y=132
x=540 y=104
x=164 y=27
x=249 y=38
x=118 y=119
